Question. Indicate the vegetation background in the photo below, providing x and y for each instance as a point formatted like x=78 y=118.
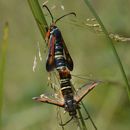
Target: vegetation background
x=108 y=104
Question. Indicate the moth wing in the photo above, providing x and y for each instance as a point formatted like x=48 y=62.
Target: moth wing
x=50 y=99
x=84 y=90
x=50 y=64
x=69 y=60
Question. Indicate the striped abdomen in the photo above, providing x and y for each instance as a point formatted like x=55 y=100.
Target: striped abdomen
x=67 y=92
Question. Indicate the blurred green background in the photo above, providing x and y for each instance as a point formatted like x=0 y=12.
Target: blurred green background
x=108 y=104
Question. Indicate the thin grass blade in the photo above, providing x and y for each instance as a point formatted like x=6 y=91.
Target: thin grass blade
x=111 y=45
x=82 y=120
x=3 y=53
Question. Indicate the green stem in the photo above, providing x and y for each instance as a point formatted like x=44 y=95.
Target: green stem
x=2 y=67
x=82 y=120
x=39 y=16
x=111 y=45
x=89 y=117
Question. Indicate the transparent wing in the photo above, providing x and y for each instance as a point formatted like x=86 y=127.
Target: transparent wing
x=84 y=90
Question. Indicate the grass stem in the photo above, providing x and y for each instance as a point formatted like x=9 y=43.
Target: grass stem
x=111 y=45
x=39 y=16
x=3 y=52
